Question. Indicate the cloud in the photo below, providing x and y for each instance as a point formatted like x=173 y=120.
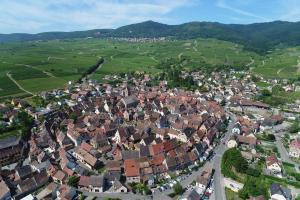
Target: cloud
x=223 y=4
x=38 y=16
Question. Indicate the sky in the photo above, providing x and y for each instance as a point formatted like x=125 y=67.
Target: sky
x=34 y=16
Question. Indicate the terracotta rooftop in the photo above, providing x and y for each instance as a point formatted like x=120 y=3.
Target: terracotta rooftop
x=131 y=167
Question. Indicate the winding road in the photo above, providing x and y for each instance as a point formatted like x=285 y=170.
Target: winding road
x=36 y=68
x=19 y=86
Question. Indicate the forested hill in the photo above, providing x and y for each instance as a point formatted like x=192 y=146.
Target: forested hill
x=259 y=37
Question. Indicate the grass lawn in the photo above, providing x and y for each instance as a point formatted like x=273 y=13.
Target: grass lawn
x=288 y=167
x=9 y=134
x=231 y=195
x=262 y=84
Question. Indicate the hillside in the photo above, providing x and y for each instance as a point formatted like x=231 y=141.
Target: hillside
x=43 y=65
x=259 y=37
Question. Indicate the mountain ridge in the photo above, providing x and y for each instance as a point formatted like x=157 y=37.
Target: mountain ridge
x=259 y=37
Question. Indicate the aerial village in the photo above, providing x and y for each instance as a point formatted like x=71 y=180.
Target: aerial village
x=131 y=138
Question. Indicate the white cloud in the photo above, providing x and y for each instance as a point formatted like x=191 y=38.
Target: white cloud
x=223 y=4
x=38 y=16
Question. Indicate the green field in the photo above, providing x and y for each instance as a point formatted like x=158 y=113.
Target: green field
x=38 y=66
x=282 y=63
x=45 y=65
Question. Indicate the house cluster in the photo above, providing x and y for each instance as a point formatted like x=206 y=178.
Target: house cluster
x=224 y=87
x=140 y=40
x=109 y=137
x=8 y=116
x=146 y=132
x=244 y=134
x=21 y=181
x=202 y=185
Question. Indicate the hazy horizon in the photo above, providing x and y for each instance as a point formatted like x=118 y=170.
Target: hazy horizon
x=31 y=16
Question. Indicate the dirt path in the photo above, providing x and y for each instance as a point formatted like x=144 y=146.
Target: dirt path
x=56 y=58
x=152 y=57
x=19 y=86
x=278 y=71
x=250 y=63
x=36 y=68
x=179 y=55
x=195 y=47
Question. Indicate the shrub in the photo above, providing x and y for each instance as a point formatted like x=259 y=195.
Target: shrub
x=178 y=189
x=233 y=158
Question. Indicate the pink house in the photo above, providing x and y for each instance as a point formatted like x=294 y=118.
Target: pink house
x=295 y=148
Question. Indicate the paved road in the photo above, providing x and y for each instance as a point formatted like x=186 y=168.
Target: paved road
x=123 y=196
x=284 y=154
x=219 y=193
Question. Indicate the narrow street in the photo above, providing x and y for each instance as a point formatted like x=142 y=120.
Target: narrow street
x=284 y=154
x=219 y=192
x=123 y=196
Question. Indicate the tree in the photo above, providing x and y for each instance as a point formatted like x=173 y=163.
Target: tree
x=266 y=93
x=73 y=116
x=178 y=189
x=254 y=78
x=271 y=137
x=73 y=181
x=253 y=187
x=294 y=127
x=223 y=102
x=26 y=123
x=232 y=158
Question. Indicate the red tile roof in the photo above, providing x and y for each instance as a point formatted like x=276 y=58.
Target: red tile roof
x=156 y=149
x=86 y=146
x=60 y=175
x=158 y=160
x=132 y=168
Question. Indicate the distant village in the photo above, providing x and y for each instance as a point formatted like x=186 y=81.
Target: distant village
x=134 y=138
